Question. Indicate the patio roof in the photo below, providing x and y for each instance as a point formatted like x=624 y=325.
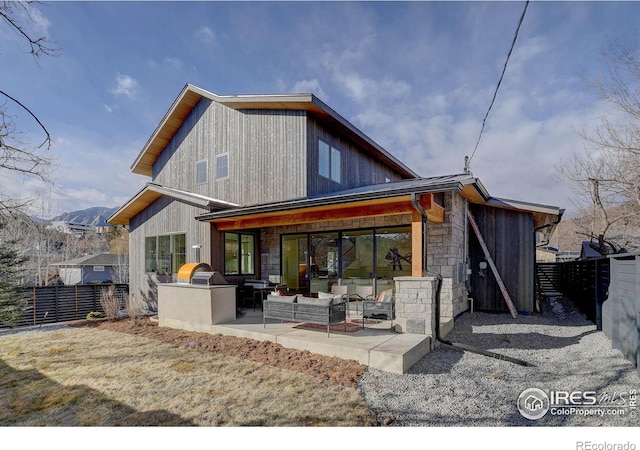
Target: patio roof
x=365 y=201
x=373 y=200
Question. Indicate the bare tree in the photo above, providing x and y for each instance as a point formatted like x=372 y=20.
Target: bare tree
x=16 y=155
x=606 y=179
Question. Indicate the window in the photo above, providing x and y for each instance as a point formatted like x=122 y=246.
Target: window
x=239 y=252
x=222 y=166
x=98 y=268
x=165 y=254
x=328 y=161
x=202 y=168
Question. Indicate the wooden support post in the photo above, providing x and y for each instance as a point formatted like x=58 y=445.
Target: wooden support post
x=416 y=245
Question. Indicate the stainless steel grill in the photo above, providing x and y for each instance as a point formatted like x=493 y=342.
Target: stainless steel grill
x=208 y=278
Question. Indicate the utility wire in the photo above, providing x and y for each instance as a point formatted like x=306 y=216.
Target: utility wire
x=504 y=69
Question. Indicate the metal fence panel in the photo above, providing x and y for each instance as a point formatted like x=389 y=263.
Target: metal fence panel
x=51 y=304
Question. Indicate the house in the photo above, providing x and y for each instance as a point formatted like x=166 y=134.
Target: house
x=588 y=251
x=77 y=229
x=281 y=187
x=103 y=268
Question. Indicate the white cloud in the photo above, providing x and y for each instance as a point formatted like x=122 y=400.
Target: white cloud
x=125 y=85
x=310 y=86
x=206 y=35
x=172 y=63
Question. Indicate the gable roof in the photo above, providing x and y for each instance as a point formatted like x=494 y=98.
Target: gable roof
x=191 y=95
x=153 y=191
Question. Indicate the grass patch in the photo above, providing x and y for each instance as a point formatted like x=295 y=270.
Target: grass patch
x=91 y=377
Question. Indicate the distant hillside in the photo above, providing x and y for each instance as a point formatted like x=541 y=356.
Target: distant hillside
x=96 y=216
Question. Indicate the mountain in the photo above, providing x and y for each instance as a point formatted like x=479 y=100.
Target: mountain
x=96 y=216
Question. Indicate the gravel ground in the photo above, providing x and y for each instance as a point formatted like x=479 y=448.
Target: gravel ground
x=449 y=387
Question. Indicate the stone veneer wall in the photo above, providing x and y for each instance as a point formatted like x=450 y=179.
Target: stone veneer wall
x=415 y=305
x=446 y=254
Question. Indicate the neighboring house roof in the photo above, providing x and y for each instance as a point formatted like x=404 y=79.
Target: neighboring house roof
x=191 y=95
x=589 y=252
x=104 y=259
x=152 y=191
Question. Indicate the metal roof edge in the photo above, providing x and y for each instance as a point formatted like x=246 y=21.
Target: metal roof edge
x=370 y=192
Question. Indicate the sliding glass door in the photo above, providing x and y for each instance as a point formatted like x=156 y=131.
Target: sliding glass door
x=313 y=262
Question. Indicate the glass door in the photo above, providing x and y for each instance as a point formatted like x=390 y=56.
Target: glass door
x=295 y=273
x=324 y=261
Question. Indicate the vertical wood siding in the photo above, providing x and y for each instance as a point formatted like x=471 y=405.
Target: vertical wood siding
x=164 y=216
x=509 y=238
x=266 y=149
x=357 y=167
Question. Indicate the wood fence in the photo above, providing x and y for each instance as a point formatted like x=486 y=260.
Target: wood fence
x=585 y=283
x=51 y=304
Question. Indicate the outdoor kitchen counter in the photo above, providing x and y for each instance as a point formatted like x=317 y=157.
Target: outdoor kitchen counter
x=195 y=307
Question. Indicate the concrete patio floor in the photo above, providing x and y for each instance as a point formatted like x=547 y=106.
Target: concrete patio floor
x=377 y=345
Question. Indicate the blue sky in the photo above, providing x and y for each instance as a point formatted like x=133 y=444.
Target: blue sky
x=417 y=77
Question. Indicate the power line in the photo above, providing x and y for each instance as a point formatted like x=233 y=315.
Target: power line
x=504 y=69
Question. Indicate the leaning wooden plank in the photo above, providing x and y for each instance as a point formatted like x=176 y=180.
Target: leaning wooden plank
x=494 y=269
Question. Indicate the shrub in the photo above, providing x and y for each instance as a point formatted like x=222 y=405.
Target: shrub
x=95 y=315
x=134 y=310
x=112 y=302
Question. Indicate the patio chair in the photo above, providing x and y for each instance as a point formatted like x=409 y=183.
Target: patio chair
x=362 y=293
x=342 y=291
x=383 y=308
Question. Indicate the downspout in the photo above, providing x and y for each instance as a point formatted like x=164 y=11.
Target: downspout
x=464 y=347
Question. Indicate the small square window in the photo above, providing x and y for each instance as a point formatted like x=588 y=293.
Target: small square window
x=222 y=166
x=202 y=168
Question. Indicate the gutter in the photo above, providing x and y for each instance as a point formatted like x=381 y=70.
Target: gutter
x=464 y=347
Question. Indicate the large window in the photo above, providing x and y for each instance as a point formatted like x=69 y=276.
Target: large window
x=313 y=262
x=239 y=254
x=328 y=161
x=165 y=254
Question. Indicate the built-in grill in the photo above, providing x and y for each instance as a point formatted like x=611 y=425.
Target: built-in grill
x=208 y=278
x=200 y=274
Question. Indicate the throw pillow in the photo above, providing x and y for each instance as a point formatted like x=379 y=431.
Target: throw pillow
x=385 y=296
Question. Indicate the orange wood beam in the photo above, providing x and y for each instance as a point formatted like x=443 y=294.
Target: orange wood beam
x=416 y=244
x=358 y=210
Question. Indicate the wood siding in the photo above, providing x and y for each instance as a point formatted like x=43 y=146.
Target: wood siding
x=357 y=168
x=162 y=217
x=509 y=238
x=266 y=149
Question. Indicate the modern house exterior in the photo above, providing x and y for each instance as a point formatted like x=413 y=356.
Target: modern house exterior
x=283 y=188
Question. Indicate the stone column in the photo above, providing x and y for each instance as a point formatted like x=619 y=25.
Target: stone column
x=416 y=305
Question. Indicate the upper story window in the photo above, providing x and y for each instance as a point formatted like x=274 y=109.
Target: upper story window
x=202 y=169
x=328 y=161
x=222 y=166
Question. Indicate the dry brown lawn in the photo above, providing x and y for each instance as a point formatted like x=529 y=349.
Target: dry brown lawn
x=85 y=376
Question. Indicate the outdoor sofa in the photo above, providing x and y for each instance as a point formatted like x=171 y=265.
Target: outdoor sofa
x=326 y=310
